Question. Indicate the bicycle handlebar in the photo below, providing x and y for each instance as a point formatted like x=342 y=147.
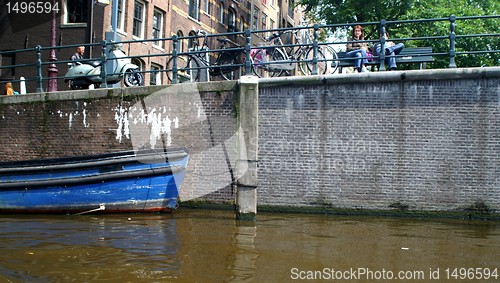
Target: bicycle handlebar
x=278 y=34
x=226 y=40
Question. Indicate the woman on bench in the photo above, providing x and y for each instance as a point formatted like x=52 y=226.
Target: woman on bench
x=357 y=49
x=391 y=50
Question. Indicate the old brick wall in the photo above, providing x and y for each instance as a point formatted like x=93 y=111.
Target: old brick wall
x=376 y=141
x=199 y=117
x=423 y=144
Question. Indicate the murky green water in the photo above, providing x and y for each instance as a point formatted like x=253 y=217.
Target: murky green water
x=210 y=246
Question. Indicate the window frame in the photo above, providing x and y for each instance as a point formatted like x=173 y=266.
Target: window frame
x=155 y=74
x=121 y=16
x=66 y=14
x=231 y=17
x=242 y=23
x=159 y=29
x=206 y=6
x=263 y=20
x=221 y=12
x=141 y=21
x=180 y=43
x=194 y=7
x=256 y=18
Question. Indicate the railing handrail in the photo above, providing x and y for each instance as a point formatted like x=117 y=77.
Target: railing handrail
x=171 y=50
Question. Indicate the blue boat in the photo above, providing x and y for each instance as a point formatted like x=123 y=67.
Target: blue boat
x=126 y=181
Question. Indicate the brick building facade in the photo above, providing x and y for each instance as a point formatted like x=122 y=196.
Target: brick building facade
x=84 y=22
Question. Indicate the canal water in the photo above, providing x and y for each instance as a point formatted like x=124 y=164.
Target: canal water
x=210 y=246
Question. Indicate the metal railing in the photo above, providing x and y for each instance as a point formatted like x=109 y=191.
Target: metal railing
x=251 y=39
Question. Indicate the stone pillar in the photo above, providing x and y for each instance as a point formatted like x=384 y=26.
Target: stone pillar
x=246 y=167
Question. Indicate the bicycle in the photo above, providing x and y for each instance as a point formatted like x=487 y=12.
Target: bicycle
x=276 y=60
x=190 y=65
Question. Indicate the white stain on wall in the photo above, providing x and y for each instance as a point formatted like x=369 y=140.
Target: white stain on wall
x=155 y=121
x=70 y=119
x=84 y=111
x=72 y=116
x=122 y=122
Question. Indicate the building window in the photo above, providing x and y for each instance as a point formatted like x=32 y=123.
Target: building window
x=76 y=11
x=7 y=59
x=194 y=9
x=121 y=14
x=290 y=9
x=255 y=19
x=221 y=13
x=155 y=77
x=264 y=21
x=271 y=24
x=158 y=17
x=192 y=40
x=206 y=6
x=180 y=45
x=231 y=19
x=139 y=9
x=242 y=24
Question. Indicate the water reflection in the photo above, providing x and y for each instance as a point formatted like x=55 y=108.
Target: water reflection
x=245 y=256
x=86 y=249
x=210 y=246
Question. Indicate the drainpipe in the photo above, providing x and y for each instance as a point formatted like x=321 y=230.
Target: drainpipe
x=52 y=69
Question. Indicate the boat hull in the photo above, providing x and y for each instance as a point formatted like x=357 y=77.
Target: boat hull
x=131 y=182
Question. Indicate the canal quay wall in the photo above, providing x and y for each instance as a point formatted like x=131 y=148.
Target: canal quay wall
x=405 y=142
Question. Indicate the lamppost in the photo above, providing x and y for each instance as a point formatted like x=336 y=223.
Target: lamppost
x=52 y=69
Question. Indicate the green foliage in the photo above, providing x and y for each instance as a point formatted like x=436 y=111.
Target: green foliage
x=350 y=11
x=470 y=32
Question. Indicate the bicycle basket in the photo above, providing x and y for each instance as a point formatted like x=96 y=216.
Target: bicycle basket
x=258 y=56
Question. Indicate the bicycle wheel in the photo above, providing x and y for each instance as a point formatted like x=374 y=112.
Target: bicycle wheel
x=187 y=69
x=227 y=65
x=274 y=63
x=306 y=65
x=333 y=60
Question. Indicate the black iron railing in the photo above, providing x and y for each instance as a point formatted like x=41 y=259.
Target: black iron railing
x=250 y=40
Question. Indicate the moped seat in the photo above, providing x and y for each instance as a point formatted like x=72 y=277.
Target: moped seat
x=95 y=63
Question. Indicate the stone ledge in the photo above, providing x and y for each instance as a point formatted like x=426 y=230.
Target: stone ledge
x=393 y=76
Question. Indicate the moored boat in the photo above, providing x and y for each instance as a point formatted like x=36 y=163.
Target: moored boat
x=125 y=181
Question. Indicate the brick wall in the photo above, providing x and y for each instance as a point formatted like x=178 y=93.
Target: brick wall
x=421 y=144
x=87 y=122
x=376 y=141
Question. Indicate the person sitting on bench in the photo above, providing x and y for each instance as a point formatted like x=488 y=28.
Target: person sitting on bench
x=391 y=49
x=357 y=49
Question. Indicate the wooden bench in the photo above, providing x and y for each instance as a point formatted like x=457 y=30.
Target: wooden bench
x=420 y=55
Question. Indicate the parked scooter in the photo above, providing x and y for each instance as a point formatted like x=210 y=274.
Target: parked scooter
x=83 y=74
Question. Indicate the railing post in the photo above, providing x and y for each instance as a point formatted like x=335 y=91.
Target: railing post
x=248 y=47
x=452 y=42
x=175 y=42
x=315 y=50
x=104 y=60
x=39 y=75
x=382 y=45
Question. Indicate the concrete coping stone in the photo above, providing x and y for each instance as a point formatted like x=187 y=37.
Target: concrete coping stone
x=387 y=76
